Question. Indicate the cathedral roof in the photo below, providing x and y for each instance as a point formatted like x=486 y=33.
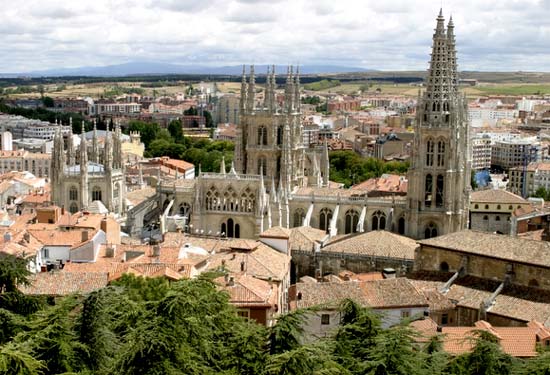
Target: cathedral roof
x=496 y=196
x=92 y=168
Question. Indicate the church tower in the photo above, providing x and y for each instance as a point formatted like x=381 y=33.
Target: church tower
x=269 y=134
x=439 y=175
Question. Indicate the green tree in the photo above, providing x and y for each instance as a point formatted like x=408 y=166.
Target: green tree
x=48 y=102
x=176 y=130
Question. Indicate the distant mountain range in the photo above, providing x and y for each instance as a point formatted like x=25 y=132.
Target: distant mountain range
x=156 y=68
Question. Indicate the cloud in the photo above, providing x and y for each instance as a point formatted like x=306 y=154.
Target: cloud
x=396 y=34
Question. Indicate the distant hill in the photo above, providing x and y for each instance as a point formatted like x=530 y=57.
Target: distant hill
x=150 y=68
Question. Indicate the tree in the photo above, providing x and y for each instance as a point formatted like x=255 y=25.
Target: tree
x=48 y=102
x=176 y=130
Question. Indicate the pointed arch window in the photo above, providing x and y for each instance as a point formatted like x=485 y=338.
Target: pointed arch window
x=73 y=193
x=439 y=191
x=262 y=166
x=325 y=215
x=401 y=225
x=441 y=153
x=378 y=220
x=279 y=135
x=299 y=216
x=430 y=231
x=430 y=145
x=73 y=208
x=352 y=219
x=262 y=136
x=428 y=186
x=96 y=193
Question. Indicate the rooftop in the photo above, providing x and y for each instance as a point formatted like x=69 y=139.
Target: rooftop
x=496 y=196
x=495 y=246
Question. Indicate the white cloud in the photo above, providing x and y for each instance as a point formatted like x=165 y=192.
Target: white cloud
x=396 y=34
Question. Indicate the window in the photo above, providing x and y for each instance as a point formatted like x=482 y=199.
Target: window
x=73 y=193
x=378 y=220
x=428 y=190
x=485 y=218
x=325 y=215
x=262 y=166
x=96 y=193
x=73 y=208
x=510 y=207
x=401 y=225
x=46 y=253
x=444 y=319
x=405 y=314
x=439 y=191
x=262 y=136
x=279 y=135
x=325 y=319
x=299 y=216
x=430 y=153
x=441 y=153
x=497 y=218
x=498 y=207
x=352 y=219
x=444 y=267
x=430 y=231
x=486 y=206
x=476 y=206
x=244 y=313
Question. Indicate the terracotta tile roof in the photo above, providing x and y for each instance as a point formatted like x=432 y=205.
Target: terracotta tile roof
x=496 y=196
x=306 y=238
x=388 y=183
x=504 y=305
x=62 y=283
x=437 y=300
x=52 y=236
x=378 y=294
x=427 y=328
x=516 y=341
x=276 y=232
x=378 y=243
x=140 y=195
x=245 y=290
x=495 y=246
x=263 y=263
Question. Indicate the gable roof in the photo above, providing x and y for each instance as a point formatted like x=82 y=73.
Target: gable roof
x=496 y=196
x=60 y=283
x=498 y=246
x=377 y=243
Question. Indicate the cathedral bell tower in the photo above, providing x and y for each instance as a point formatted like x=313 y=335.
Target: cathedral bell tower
x=439 y=175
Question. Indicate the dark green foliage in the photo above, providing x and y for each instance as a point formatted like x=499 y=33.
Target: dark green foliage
x=487 y=358
x=314 y=100
x=543 y=193
x=48 y=102
x=349 y=168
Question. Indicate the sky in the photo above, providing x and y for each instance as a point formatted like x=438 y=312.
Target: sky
x=492 y=35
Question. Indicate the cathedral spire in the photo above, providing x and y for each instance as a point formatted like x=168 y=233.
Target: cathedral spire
x=71 y=153
x=452 y=56
x=108 y=152
x=95 y=145
x=439 y=83
x=83 y=169
x=273 y=89
x=325 y=164
x=289 y=90
x=251 y=97
x=267 y=96
x=243 y=92
x=297 y=90
x=222 y=165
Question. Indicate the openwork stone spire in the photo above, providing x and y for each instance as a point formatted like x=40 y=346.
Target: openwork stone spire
x=441 y=81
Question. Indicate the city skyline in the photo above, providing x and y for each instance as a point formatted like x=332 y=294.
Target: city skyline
x=493 y=35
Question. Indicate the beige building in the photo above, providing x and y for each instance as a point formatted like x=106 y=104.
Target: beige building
x=515 y=152
x=526 y=181
x=36 y=163
x=491 y=210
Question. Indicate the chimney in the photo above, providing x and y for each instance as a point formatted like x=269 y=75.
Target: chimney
x=62 y=210
x=84 y=236
x=156 y=251
x=110 y=251
x=26 y=237
x=243 y=266
x=231 y=281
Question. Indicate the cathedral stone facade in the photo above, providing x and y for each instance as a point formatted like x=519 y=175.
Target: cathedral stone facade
x=276 y=181
x=92 y=174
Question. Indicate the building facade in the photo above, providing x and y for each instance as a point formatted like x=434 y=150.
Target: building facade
x=92 y=175
x=276 y=180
